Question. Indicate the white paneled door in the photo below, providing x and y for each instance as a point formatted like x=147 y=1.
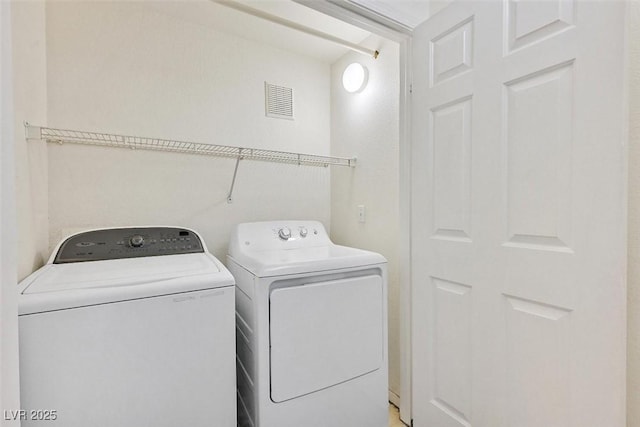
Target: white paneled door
x=518 y=217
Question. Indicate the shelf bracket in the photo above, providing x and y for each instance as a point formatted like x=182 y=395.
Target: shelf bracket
x=31 y=132
x=233 y=180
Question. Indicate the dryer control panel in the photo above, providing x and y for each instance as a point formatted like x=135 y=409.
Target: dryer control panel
x=116 y=243
x=276 y=235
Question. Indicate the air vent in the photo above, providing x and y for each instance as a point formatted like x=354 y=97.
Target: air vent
x=278 y=101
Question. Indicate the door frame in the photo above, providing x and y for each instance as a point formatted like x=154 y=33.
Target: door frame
x=406 y=277
x=9 y=378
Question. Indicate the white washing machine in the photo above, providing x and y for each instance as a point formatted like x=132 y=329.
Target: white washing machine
x=311 y=328
x=128 y=327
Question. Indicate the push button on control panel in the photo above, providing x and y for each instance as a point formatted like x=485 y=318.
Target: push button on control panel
x=136 y=241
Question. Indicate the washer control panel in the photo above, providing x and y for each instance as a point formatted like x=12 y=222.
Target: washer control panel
x=117 y=243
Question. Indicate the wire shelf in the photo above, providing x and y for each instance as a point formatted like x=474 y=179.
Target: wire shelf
x=155 y=144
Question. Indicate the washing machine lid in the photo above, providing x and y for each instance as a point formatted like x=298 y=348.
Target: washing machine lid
x=72 y=278
x=63 y=286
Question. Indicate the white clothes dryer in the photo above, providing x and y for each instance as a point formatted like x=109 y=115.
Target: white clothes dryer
x=311 y=328
x=128 y=327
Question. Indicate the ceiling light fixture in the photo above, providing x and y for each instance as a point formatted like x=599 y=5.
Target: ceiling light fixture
x=354 y=77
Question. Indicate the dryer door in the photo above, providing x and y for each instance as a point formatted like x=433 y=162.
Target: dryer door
x=323 y=334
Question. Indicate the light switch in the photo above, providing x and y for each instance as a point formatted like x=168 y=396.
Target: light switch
x=361 y=214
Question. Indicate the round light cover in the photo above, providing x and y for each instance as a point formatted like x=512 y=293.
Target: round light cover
x=354 y=78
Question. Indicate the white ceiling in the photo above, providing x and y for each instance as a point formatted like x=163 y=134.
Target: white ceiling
x=228 y=20
x=409 y=13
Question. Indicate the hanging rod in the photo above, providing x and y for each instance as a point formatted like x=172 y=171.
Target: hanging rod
x=174 y=146
x=294 y=25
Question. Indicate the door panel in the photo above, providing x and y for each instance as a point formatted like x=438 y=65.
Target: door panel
x=451 y=126
x=452 y=52
x=537 y=355
x=538 y=145
x=518 y=253
x=452 y=348
x=531 y=21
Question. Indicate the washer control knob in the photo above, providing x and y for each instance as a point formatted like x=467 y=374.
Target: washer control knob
x=284 y=233
x=136 y=241
x=303 y=232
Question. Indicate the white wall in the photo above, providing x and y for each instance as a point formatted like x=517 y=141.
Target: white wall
x=633 y=301
x=9 y=384
x=366 y=124
x=30 y=92
x=127 y=68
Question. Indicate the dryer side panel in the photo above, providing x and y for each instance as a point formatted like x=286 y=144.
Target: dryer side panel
x=325 y=333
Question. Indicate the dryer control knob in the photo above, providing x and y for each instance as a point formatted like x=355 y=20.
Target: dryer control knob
x=136 y=241
x=284 y=233
x=303 y=232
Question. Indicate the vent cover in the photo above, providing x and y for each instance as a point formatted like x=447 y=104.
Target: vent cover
x=278 y=101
